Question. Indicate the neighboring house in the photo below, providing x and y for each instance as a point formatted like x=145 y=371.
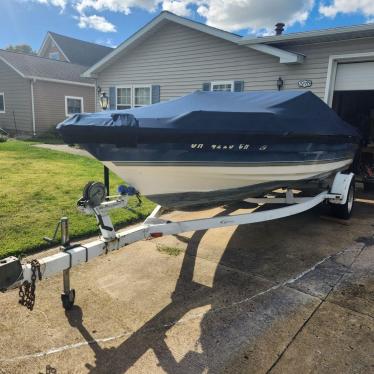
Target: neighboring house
x=173 y=56
x=37 y=92
x=64 y=48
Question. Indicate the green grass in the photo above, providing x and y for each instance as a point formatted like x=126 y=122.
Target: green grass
x=171 y=251
x=38 y=186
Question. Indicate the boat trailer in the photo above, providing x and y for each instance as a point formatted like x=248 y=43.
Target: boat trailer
x=14 y=273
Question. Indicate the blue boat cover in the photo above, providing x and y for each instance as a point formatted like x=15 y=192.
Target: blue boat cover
x=258 y=112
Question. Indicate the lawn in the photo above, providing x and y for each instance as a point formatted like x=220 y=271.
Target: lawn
x=38 y=186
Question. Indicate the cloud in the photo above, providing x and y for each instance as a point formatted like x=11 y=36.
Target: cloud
x=366 y=7
x=108 y=42
x=58 y=3
x=96 y=22
x=234 y=15
x=258 y=16
x=121 y=6
x=179 y=7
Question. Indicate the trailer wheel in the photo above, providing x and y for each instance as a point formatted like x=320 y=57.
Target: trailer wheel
x=344 y=211
x=68 y=300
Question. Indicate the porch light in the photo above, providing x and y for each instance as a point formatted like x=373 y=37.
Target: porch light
x=104 y=101
x=280 y=83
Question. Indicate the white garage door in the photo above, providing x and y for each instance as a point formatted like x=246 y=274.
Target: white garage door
x=355 y=76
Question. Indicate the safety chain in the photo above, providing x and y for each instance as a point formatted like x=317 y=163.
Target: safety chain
x=27 y=289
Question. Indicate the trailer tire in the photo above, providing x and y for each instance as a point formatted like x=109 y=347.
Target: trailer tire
x=344 y=211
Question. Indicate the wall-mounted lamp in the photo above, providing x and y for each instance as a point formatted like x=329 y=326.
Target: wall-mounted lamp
x=280 y=83
x=98 y=90
x=104 y=101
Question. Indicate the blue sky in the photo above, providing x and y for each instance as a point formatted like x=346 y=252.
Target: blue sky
x=112 y=21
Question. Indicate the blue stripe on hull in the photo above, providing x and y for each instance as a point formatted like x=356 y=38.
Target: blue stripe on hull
x=223 y=153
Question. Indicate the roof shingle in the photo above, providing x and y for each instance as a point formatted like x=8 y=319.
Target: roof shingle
x=40 y=67
x=80 y=52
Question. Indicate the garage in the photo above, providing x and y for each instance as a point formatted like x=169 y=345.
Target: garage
x=353 y=100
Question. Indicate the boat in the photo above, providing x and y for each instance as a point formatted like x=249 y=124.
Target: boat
x=213 y=148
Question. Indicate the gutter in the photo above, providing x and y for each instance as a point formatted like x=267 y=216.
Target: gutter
x=285 y=57
x=61 y=81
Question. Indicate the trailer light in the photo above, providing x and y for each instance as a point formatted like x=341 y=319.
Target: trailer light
x=156 y=234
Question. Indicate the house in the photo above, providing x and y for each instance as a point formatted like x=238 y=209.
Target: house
x=173 y=56
x=64 y=48
x=37 y=92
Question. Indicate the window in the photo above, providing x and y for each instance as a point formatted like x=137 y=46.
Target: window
x=2 y=103
x=142 y=96
x=73 y=105
x=54 y=55
x=124 y=98
x=222 y=86
x=133 y=96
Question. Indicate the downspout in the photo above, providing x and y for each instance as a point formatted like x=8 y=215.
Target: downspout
x=33 y=107
x=96 y=97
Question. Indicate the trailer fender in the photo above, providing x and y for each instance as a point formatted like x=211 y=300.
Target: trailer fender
x=340 y=186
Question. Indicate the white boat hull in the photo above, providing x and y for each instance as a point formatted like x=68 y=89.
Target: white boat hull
x=159 y=180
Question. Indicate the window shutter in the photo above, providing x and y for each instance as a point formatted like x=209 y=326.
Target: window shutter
x=238 y=86
x=112 y=98
x=206 y=86
x=155 y=94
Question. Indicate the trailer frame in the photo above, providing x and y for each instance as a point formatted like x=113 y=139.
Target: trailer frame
x=14 y=273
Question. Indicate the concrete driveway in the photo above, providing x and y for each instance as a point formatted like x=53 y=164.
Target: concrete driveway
x=289 y=296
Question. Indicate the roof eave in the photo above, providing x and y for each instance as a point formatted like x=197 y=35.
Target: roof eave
x=304 y=36
x=164 y=16
x=285 y=57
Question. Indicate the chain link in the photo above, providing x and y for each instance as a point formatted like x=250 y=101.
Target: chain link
x=27 y=289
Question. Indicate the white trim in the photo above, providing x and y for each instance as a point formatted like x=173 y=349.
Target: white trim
x=3 y=95
x=285 y=57
x=33 y=108
x=54 y=41
x=61 y=81
x=332 y=68
x=75 y=98
x=222 y=82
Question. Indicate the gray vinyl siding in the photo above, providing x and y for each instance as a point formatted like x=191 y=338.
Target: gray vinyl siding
x=17 y=97
x=180 y=59
x=49 y=98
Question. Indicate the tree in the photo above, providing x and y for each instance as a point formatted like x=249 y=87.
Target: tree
x=22 y=48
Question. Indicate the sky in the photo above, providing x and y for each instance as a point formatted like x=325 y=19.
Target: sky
x=110 y=22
